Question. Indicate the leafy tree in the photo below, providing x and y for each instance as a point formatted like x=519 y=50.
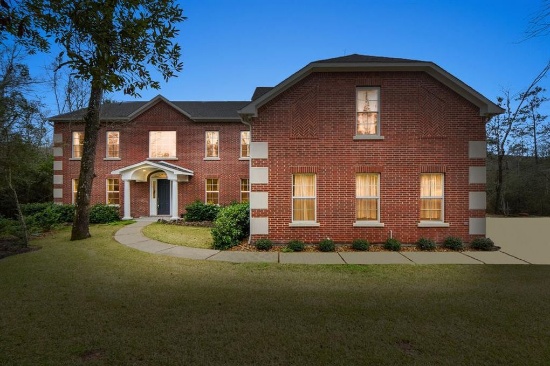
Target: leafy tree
x=110 y=44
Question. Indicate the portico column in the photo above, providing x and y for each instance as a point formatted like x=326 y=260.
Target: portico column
x=127 y=215
x=174 y=205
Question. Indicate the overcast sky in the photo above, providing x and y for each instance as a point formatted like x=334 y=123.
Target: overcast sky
x=230 y=47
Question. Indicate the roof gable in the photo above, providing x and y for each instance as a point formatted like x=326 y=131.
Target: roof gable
x=357 y=62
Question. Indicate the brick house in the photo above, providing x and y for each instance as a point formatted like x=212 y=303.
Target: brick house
x=350 y=147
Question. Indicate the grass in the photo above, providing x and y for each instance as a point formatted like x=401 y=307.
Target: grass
x=189 y=236
x=96 y=302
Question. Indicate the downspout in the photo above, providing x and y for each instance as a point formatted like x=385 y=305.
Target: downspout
x=245 y=119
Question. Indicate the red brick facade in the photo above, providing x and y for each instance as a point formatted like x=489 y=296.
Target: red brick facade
x=426 y=128
x=134 y=148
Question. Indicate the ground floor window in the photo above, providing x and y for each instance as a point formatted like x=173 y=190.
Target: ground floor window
x=431 y=197
x=303 y=197
x=367 y=193
x=245 y=190
x=75 y=189
x=113 y=191
x=213 y=191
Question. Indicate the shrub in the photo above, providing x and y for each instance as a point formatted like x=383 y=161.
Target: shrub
x=30 y=209
x=295 y=246
x=264 y=244
x=231 y=226
x=44 y=220
x=103 y=214
x=392 y=244
x=9 y=227
x=360 y=244
x=425 y=244
x=453 y=243
x=198 y=211
x=66 y=212
x=482 y=244
x=327 y=245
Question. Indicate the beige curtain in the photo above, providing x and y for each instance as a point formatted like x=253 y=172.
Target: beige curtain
x=431 y=193
x=303 y=193
x=366 y=186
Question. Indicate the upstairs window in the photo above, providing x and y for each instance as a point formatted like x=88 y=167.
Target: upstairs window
x=78 y=143
x=113 y=150
x=245 y=144
x=212 y=144
x=162 y=144
x=368 y=108
x=367 y=193
x=74 y=189
x=303 y=198
x=431 y=197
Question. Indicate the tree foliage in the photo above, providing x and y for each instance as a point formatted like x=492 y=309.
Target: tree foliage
x=110 y=44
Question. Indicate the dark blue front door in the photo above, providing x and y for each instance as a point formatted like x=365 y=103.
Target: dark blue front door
x=163 y=200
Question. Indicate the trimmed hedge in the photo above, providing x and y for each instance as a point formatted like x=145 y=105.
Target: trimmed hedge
x=482 y=244
x=327 y=245
x=199 y=211
x=453 y=243
x=103 y=214
x=360 y=244
x=231 y=226
x=425 y=244
x=392 y=244
x=295 y=246
x=264 y=244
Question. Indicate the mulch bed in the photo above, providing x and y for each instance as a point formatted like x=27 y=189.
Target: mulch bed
x=12 y=247
x=245 y=247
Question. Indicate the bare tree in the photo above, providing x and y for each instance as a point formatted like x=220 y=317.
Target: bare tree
x=539 y=26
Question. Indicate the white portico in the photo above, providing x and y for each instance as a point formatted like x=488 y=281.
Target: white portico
x=163 y=179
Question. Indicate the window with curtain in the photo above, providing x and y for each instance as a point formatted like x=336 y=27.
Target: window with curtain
x=303 y=197
x=212 y=144
x=245 y=190
x=367 y=196
x=431 y=197
x=162 y=144
x=368 y=111
x=213 y=191
x=78 y=143
x=113 y=150
x=75 y=189
x=245 y=144
x=113 y=191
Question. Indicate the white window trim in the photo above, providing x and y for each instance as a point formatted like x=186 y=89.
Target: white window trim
x=107 y=192
x=161 y=157
x=241 y=157
x=378 y=134
x=241 y=188
x=73 y=157
x=107 y=157
x=436 y=223
x=369 y=223
x=312 y=223
x=206 y=157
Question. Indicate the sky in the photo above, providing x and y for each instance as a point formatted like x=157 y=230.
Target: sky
x=231 y=47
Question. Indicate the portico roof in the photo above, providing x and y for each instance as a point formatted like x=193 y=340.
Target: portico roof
x=140 y=171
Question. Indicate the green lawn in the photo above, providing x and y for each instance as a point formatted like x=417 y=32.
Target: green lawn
x=97 y=302
x=189 y=236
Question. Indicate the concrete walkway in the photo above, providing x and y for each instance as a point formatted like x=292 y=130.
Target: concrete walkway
x=131 y=236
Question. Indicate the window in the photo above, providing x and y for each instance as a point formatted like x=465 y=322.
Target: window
x=245 y=190
x=213 y=191
x=303 y=197
x=113 y=150
x=162 y=144
x=431 y=197
x=113 y=191
x=245 y=144
x=75 y=189
x=212 y=144
x=78 y=143
x=367 y=193
x=368 y=111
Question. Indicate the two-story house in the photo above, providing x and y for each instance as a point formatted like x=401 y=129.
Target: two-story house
x=345 y=148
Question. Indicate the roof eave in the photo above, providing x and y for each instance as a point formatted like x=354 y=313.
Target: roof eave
x=81 y=119
x=154 y=101
x=216 y=119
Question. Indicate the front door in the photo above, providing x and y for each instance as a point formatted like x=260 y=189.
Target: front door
x=163 y=198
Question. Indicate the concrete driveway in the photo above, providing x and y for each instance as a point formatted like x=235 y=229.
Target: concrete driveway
x=527 y=238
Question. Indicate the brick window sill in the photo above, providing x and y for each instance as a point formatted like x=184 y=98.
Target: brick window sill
x=433 y=224
x=368 y=224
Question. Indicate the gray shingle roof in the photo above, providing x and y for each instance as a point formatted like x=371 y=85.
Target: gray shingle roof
x=355 y=58
x=260 y=90
x=196 y=110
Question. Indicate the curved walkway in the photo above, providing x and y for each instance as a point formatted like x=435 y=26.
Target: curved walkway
x=131 y=236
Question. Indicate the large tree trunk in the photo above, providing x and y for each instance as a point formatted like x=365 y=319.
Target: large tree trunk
x=81 y=224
